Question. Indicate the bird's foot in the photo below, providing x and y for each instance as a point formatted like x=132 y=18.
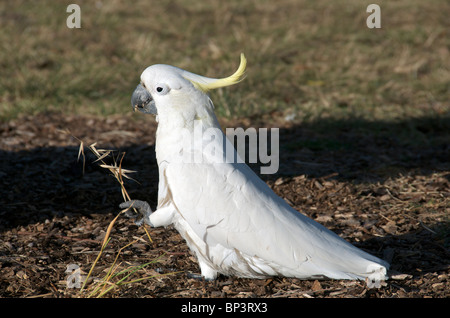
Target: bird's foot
x=199 y=277
x=143 y=211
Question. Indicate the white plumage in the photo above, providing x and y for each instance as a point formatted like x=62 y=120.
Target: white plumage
x=231 y=220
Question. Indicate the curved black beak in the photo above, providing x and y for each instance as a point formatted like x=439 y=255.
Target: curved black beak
x=143 y=101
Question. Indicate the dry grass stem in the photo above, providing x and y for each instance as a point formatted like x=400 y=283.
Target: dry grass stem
x=106 y=285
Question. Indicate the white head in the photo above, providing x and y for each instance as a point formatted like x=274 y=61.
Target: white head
x=168 y=91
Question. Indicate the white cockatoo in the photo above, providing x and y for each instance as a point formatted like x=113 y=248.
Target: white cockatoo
x=231 y=220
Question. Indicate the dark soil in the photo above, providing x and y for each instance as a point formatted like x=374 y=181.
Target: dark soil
x=383 y=187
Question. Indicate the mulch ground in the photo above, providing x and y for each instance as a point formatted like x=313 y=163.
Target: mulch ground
x=385 y=195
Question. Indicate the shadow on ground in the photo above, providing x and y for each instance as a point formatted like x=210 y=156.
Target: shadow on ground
x=362 y=151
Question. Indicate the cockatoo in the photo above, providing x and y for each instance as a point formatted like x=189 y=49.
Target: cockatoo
x=232 y=221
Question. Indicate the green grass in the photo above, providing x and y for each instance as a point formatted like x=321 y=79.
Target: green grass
x=311 y=59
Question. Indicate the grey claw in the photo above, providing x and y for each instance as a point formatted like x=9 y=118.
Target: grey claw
x=143 y=209
x=198 y=277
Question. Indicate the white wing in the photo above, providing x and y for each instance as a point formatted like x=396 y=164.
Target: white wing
x=227 y=204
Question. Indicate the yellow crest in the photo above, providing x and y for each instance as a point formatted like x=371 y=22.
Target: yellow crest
x=205 y=84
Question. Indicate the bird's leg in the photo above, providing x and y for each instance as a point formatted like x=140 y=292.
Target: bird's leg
x=199 y=277
x=195 y=276
x=207 y=272
x=143 y=208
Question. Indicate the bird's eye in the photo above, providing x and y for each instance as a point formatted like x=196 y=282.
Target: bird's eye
x=162 y=89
